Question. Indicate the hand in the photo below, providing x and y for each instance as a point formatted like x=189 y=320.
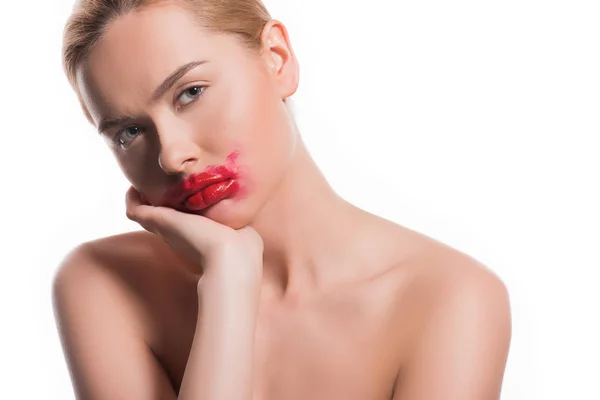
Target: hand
x=220 y=249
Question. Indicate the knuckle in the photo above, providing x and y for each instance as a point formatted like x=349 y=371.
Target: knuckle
x=131 y=214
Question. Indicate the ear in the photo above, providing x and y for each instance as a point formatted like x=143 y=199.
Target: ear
x=279 y=57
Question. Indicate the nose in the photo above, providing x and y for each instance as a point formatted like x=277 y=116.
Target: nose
x=178 y=151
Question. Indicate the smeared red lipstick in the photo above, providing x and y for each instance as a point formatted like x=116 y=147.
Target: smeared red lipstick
x=201 y=190
x=211 y=195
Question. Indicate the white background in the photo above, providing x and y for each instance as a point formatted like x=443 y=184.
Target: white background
x=474 y=122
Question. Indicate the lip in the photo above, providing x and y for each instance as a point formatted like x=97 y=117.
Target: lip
x=196 y=183
x=211 y=195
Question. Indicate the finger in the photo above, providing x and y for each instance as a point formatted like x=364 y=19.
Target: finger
x=154 y=219
x=189 y=231
x=132 y=203
x=137 y=211
x=194 y=234
x=144 y=199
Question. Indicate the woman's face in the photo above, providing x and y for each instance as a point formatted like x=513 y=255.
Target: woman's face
x=224 y=109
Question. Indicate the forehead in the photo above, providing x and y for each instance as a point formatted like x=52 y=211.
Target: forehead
x=139 y=50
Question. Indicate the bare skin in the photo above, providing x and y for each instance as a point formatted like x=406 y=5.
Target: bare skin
x=349 y=305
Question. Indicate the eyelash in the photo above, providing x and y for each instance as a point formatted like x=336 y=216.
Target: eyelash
x=117 y=135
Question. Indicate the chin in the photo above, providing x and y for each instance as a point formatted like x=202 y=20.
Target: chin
x=229 y=212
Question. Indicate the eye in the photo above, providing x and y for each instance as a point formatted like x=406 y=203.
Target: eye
x=126 y=135
x=190 y=94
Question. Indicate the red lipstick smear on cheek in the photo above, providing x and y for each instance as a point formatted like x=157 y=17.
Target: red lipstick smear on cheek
x=230 y=164
x=232 y=158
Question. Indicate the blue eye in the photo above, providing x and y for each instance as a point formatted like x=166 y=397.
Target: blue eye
x=126 y=135
x=191 y=93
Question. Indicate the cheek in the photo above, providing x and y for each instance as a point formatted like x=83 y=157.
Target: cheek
x=141 y=169
x=271 y=143
x=262 y=116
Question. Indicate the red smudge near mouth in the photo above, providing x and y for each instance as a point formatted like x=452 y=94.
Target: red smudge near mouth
x=212 y=195
x=196 y=183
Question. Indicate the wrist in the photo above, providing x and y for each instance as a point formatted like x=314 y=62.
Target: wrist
x=219 y=284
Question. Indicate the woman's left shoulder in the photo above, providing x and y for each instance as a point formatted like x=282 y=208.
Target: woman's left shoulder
x=447 y=283
x=453 y=272
x=434 y=274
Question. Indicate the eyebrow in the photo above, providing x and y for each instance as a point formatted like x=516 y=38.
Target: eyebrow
x=173 y=78
x=106 y=123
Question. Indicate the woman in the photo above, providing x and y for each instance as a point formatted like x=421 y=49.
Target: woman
x=252 y=279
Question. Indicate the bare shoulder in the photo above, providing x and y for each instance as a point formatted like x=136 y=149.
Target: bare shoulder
x=451 y=272
x=136 y=259
x=138 y=264
x=432 y=269
x=439 y=276
x=119 y=250
x=118 y=259
x=462 y=334
x=104 y=294
x=421 y=274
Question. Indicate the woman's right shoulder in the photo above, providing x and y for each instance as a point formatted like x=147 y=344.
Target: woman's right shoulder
x=102 y=293
x=121 y=248
x=134 y=258
x=139 y=264
x=125 y=265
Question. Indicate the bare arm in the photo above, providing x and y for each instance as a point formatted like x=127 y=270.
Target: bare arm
x=101 y=334
x=220 y=364
x=462 y=352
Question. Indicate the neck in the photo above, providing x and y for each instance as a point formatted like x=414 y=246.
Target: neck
x=304 y=225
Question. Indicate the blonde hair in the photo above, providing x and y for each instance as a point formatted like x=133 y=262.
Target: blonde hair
x=86 y=25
